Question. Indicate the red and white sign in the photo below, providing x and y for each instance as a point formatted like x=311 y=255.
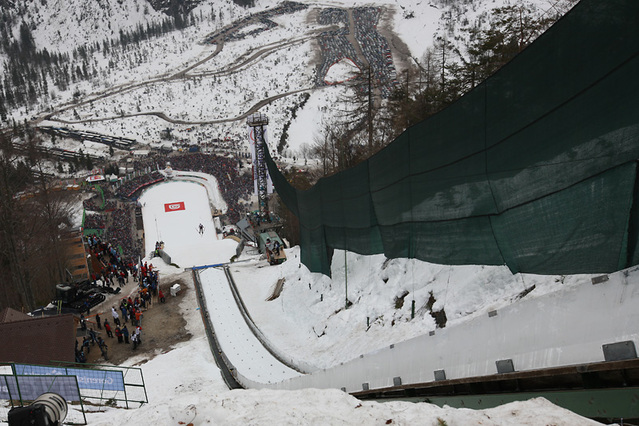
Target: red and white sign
x=171 y=207
x=96 y=178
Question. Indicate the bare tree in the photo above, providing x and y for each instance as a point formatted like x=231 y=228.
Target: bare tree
x=14 y=177
x=305 y=151
x=324 y=149
x=32 y=219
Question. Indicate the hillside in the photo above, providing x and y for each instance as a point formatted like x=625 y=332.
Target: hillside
x=125 y=69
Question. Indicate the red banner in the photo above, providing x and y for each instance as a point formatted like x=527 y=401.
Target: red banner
x=171 y=207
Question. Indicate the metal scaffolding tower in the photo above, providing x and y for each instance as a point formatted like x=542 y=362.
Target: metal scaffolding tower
x=258 y=122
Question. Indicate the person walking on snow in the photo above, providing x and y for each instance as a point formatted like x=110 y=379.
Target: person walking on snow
x=201 y=229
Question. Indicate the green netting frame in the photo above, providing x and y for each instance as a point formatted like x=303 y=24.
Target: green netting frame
x=535 y=168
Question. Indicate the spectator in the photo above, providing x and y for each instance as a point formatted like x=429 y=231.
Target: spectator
x=83 y=322
x=107 y=328
x=116 y=317
x=125 y=334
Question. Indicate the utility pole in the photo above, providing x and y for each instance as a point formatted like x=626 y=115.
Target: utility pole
x=345 y=281
x=370 y=114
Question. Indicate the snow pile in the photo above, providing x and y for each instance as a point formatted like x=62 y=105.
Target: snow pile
x=381 y=292
x=342 y=71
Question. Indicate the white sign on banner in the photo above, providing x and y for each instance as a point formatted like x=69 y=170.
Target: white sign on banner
x=87 y=378
x=28 y=388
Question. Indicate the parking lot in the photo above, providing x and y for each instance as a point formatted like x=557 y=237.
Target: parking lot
x=375 y=50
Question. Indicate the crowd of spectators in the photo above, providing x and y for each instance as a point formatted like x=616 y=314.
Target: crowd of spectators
x=113 y=268
x=93 y=204
x=120 y=231
x=130 y=309
x=129 y=187
x=94 y=221
x=233 y=185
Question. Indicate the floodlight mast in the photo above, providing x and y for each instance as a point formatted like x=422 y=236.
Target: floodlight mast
x=258 y=122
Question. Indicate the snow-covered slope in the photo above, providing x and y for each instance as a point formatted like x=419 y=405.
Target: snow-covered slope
x=176 y=81
x=61 y=26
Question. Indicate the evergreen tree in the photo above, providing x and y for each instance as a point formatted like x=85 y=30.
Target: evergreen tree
x=27 y=44
x=510 y=30
x=3 y=107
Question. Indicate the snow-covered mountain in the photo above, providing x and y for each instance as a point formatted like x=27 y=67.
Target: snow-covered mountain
x=62 y=26
x=128 y=69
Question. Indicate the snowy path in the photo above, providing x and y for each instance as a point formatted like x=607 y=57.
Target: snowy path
x=238 y=343
x=172 y=212
x=181 y=75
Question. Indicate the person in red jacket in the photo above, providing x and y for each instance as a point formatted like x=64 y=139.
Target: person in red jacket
x=107 y=327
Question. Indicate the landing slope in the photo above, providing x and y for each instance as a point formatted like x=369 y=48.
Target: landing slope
x=172 y=213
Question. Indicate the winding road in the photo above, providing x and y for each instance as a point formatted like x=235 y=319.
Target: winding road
x=241 y=63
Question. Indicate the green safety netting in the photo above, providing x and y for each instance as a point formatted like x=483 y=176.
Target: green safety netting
x=535 y=168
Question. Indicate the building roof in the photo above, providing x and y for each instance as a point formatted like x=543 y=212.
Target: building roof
x=38 y=340
x=10 y=315
x=76 y=255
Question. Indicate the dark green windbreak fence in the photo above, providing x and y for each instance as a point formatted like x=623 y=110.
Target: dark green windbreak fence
x=536 y=168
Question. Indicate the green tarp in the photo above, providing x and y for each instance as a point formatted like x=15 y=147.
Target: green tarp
x=535 y=168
